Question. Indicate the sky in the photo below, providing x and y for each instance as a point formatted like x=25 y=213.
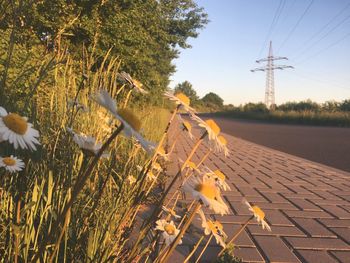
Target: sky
x=313 y=34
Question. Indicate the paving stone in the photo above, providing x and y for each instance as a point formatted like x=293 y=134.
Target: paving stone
x=343 y=233
x=313 y=228
x=276 y=231
x=304 y=204
x=316 y=256
x=275 y=250
x=309 y=214
x=248 y=254
x=317 y=243
x=335 y=222
x=342 y=256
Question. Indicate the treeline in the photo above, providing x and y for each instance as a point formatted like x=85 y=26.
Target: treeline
x=330 y=113
x=302 y=106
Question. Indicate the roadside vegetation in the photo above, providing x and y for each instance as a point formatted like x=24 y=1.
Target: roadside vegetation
x=84 y=145
x=306 y=112
x=330 y=113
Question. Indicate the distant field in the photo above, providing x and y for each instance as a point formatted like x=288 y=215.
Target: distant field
x=339 y=119
x=326 y=145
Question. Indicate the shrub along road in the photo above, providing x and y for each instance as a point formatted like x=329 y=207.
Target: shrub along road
x=326 y=145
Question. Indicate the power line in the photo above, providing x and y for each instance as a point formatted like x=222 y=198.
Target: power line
x=323 y=28
x=324 y=36
x=324 y=49
x=320 y=81
x=273 y=24
x=296 y=25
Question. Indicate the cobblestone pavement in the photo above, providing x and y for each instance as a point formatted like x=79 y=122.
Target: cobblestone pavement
x=307 y=205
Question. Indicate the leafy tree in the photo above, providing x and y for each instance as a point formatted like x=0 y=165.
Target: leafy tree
x=145 y=35
x=187 y=89
x=213 y=99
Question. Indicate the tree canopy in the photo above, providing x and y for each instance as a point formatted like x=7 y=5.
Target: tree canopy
x=145 y=35
x=213 y=99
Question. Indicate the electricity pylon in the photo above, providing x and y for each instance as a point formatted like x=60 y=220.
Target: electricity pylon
x=270 y=82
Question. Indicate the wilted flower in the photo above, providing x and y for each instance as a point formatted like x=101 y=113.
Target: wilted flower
x=12 y=164
x=87 y=143
x=186 y=126
x=15 y=129
x=258 y=214
x=171 y=212
x=135 y=84
x=169 y=231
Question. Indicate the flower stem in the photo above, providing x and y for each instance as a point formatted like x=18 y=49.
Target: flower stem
x=194 y=249
x=204 y=248
x=182 y=231
x=236 y=235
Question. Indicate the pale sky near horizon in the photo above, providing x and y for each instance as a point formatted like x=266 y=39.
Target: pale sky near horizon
x=316 y=43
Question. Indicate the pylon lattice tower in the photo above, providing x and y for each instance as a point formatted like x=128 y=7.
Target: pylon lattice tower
x=270 y=82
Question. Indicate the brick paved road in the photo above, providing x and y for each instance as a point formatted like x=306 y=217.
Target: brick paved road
x=307 y=205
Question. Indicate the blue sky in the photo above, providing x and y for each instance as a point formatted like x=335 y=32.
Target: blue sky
x=221 y=57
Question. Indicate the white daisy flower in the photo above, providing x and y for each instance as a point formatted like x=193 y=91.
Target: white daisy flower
x=218 y=176
x=87 y=143
x=169 y=231
x=181 y=100
x=212 y=130
x=258 y=214
x=17 y=130
x=135 y=84
x=206 y=191
x=220 y=145
x=216 y=228
x=12 y=164
x=131 y=122
x=171 y=212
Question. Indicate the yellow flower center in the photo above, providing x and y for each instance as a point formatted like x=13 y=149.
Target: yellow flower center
x=258 y=212
x=191 y=165
x=161 y=150
x=207 y=190
x=157 y=166
x=213 y=126
x=9 y=161
x=220 y=175
x=222 y=140
x=215 y=226
x=184 y=99
x=187 y=126
x=15 y=123
x=170 y=229
x=130 y=118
